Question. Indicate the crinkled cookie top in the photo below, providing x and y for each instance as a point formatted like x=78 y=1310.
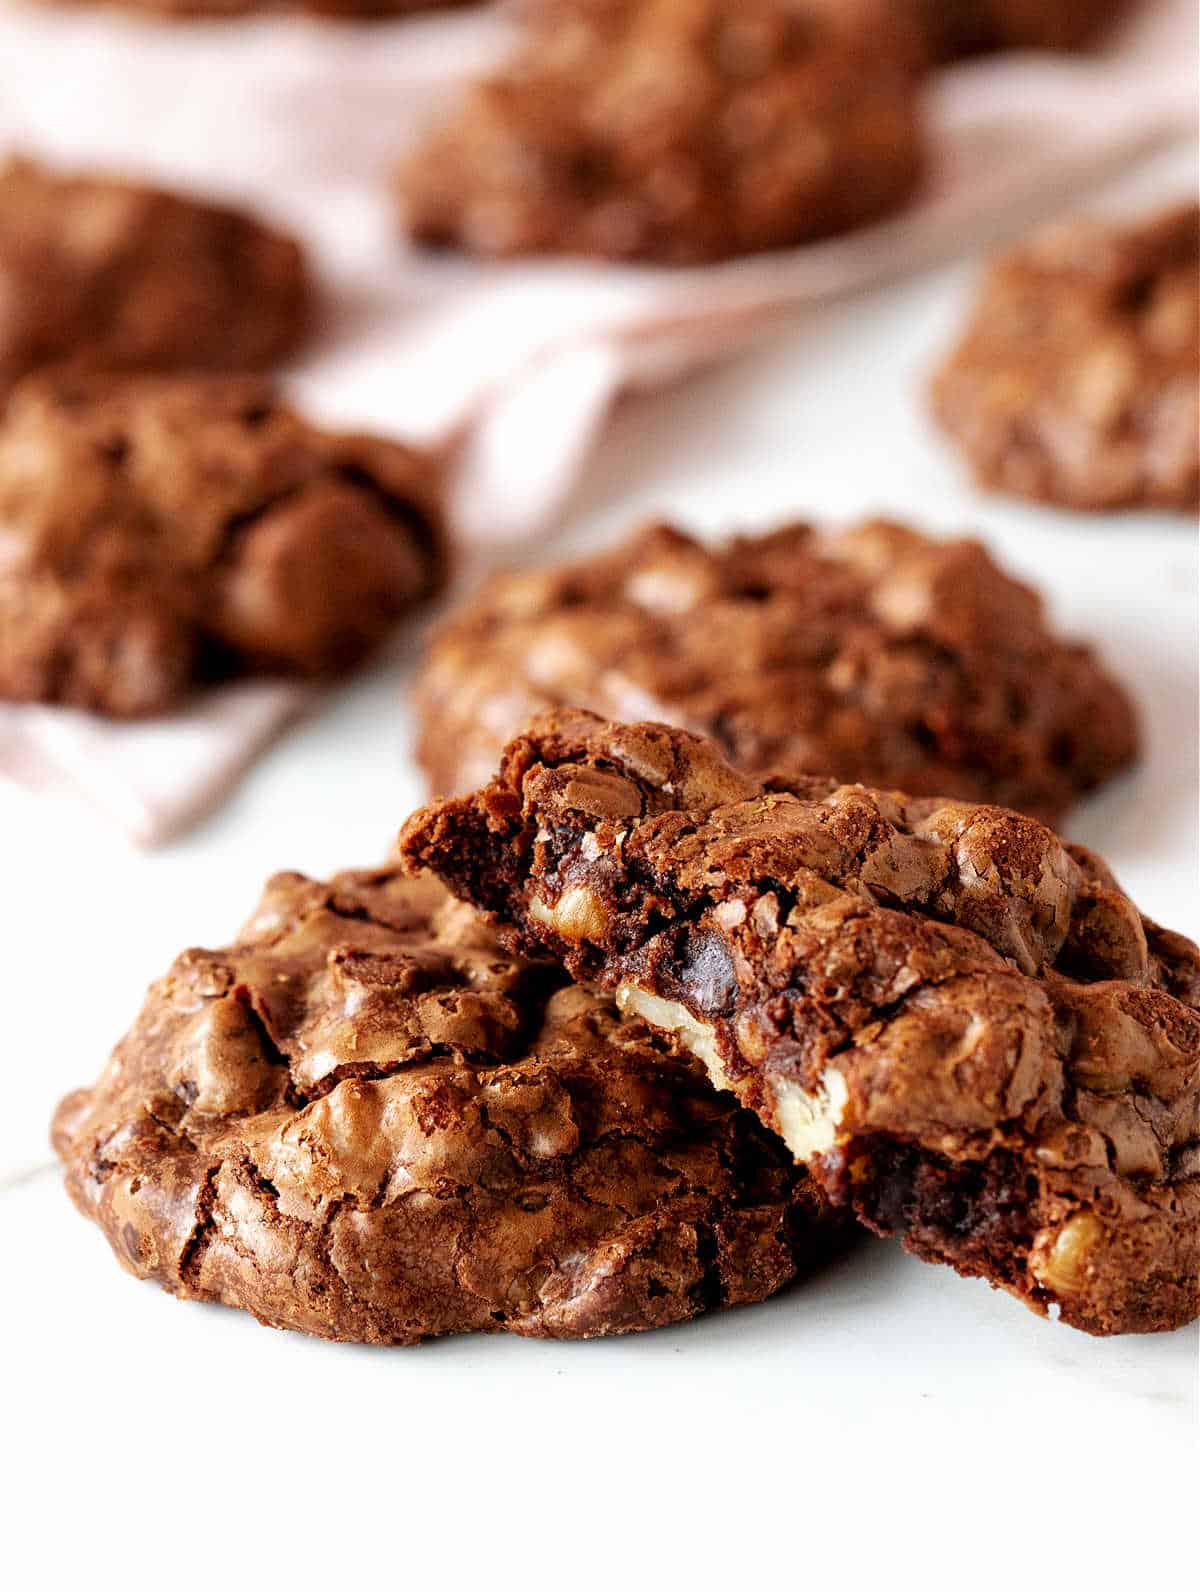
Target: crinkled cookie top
x=139 y=278
x=677 y=130
x=876 y=654
x=367 y=1121
x=161 y=532
x=1078 y=377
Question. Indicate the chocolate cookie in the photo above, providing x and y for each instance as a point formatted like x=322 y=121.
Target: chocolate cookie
x=1078 y=378
x=678 y=130
x=165 y=531
x=876 y=654
x=366 y=1121
x=963 y=1028
x=965 y=27
x=133 y=277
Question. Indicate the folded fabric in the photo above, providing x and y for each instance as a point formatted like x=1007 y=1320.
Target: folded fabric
x=511 y=368
x=151 y=777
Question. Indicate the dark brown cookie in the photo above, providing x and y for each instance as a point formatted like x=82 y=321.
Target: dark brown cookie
x=365 y=1121
x=164 y=531
x=877 y=654
x=965 y=27
x=962 y=1027
x=678 y=130
x=133 y=277
x=1078 y=378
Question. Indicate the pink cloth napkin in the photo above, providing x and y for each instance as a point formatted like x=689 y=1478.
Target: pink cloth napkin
x=512 y=367
x=152 y=778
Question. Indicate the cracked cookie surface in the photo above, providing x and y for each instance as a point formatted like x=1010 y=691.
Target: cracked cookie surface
x=674 y=131
x=134 y=277
x=962 y=1026
x=876 y=654
x=366 y=1121
x=1077 y=380
x=165 y=532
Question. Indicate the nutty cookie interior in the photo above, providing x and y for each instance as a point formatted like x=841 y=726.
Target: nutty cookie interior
x=962 y=1027
x=367 y=1121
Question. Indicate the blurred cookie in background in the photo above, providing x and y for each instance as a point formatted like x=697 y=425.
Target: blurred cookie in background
x=134 y=277
x=874 y=654
x=164 y=532
x=677 y=131
x=1077 y=380
x=966 y=27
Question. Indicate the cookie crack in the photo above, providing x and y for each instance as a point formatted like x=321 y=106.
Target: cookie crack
x=709 y=1292
x=191 y=1257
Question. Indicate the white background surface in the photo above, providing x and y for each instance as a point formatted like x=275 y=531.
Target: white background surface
x=887 y=1426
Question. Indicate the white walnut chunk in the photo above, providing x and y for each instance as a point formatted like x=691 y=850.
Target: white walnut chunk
x=1064 y=1265
x=808 y=1120
x=578 y=914
x=765 y=916
x=730 y=914
x=675 y=1019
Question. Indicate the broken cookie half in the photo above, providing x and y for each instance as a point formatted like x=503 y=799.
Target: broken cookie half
x=960 y=1024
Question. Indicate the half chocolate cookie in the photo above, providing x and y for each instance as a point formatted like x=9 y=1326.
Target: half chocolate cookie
x=961 y=1026
x=366 y=1121
x=876 y=654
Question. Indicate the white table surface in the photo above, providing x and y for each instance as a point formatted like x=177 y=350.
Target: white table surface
x=886 y=1426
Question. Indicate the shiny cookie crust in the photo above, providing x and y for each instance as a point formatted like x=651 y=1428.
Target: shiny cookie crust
x=874 y=653
x=366 y=1121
